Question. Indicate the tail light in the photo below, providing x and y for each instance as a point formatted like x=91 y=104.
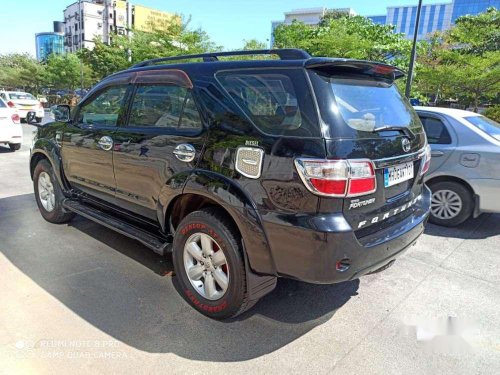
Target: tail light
x=337 y=178
x=11 y=104
x=16 y=119
x=426 y=160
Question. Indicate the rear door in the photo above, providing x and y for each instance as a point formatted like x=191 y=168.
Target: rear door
x=164 y=137
x=440 y=136
x=87 y=143
x=366 y=117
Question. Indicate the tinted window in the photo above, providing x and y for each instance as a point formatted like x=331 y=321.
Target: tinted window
x=164 y=106
x=436 y=131
x=486 y=125
x=367 y=104
x=277 y=101
x=105 y=108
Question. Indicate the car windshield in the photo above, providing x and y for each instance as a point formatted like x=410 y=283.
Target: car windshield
x=487 y=125
x=367 y=104
x=21 y=96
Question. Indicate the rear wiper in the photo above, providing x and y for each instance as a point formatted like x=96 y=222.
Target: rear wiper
x=402 y=129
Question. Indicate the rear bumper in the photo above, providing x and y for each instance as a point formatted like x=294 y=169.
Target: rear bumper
x=24 y=112
x=487 y=189
x=308 y=247
x=11 y=134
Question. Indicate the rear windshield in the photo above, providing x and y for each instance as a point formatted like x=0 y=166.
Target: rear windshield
x=356 y=106
x=2 y=104
x=278 y=101
x=487 y=125
x=21 y=96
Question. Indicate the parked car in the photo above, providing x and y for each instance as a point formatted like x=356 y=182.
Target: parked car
x=11 y=132
x=464 y=175
x=24 y=103
x=308 y=168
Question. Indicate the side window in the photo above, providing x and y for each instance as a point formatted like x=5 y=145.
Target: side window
x=3 y=96
x=190 y=116
x=277 y=101
x=166 y=106
x=436 y=131
x=105 y=108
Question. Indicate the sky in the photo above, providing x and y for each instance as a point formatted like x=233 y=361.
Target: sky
x=227 y=22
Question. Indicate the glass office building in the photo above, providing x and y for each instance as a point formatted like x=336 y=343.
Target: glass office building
x=48 y=43
x=463 y=7
x=434 y=17
x=381 y=20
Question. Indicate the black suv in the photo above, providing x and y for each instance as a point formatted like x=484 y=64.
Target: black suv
x=245 y=170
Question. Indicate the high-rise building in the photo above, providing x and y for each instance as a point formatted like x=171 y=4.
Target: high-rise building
x=86 y=20
x=50 y=42
x=309 y=16
x=434 y=17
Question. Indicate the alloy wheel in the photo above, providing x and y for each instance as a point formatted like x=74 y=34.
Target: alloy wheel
x=46 y=192
x=206 y=266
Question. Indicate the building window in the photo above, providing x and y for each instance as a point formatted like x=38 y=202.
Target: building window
x=76 y=27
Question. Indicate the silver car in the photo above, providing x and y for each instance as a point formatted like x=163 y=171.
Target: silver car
x=464 y=175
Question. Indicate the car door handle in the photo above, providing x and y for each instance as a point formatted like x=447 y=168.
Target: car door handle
x=185 y=152
x=436 y=154
x=105 y=143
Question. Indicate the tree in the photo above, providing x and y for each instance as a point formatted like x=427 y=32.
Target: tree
x=253 y=44
x=172 y=39
x=21 y=71
x=477 y=34
x=463 y=63
x=65 y=72
x=342 y=35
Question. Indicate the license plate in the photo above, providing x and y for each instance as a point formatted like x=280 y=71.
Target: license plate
x=397 y=174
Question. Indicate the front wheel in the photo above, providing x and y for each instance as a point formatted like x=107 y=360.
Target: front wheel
x=209 y=264
x=451 y=203
x=48 y=194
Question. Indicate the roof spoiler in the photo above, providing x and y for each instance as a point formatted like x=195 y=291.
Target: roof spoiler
x=348 y=66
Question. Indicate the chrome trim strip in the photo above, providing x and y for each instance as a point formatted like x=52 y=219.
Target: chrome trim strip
x=381 y=163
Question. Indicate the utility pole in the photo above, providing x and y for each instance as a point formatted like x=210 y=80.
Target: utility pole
x=409 y=79
x=80 y=23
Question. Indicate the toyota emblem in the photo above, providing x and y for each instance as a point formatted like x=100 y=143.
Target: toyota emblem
x=406 y=144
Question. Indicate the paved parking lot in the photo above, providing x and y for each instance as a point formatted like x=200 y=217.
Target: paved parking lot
x=82 y=298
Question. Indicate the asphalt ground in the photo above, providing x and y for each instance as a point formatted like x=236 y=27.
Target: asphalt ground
x=81 y=298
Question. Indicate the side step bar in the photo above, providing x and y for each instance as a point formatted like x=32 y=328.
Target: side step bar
x=155 y=243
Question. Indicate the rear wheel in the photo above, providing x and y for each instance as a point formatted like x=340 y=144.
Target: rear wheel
x=451 y=203
x=15 y=146
x=209 y=264
x=48 y=194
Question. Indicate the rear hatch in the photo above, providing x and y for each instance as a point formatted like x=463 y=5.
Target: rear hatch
x=366 y=117
x=24 y=101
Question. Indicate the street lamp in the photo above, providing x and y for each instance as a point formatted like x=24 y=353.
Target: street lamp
x=413 y=51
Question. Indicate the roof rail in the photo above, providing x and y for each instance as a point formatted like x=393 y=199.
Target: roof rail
x=284 y=54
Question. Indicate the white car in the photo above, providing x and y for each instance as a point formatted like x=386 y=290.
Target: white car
x=24 y=103
x=11 y=132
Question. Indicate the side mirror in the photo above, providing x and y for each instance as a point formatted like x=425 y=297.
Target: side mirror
x=31 y=118
x=60 y=113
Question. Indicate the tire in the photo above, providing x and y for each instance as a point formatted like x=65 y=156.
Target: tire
x=52 y=211
x=225 y=238
x=14 y=146
x=38 y=119
x=460 y=203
